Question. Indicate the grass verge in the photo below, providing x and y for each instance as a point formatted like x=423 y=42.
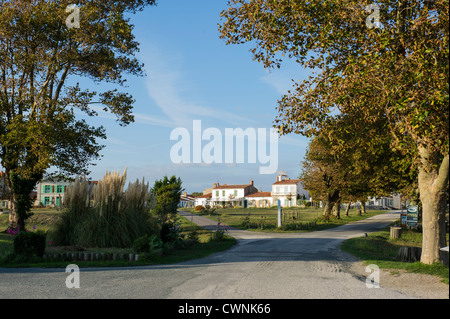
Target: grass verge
x=204 y=247
x=294 y=219
x=378 y=248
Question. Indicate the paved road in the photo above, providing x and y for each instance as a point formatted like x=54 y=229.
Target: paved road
x=261 y=265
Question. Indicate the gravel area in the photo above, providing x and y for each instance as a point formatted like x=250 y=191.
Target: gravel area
x=421 y=286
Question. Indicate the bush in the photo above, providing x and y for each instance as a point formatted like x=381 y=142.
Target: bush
x=30 y=243
x=199 y=208
x=147 y=244
x=193 y=236
x=115 y=218
x=170 y=232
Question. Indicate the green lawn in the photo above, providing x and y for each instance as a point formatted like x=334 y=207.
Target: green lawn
x=265 y=219
x=44 y=218
x=378 y=248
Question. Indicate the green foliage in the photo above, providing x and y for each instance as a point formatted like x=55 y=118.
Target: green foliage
x=115 y=218
x=246 y=223
x=220 y=234
x=168 y=192
x=170 y=232
x=147 y=244
x=30 y=243
x=39 y=55
x=193 y=236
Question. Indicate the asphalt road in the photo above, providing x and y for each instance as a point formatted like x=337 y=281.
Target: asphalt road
x=261 y=265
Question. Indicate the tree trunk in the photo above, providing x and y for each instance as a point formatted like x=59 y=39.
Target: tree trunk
x=327 y=209
x=433 y=180
x=363 y=207
x=12 y=222
x=332 y=198
x=337 y=209
x=347 y=208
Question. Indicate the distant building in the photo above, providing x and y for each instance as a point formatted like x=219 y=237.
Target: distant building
x=286 y=190
x=260 y=199
x=186 y=201
x=203 y=200
x=231 y=195
x=51 y=191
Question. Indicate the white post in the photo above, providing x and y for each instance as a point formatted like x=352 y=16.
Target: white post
x=279 y=213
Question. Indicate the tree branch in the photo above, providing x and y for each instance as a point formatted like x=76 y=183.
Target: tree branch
x=442 y=179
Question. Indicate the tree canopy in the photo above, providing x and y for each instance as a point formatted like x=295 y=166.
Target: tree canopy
x=39 y=55
x=395 y=69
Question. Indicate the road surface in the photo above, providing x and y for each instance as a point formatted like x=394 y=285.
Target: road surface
x=260 y=265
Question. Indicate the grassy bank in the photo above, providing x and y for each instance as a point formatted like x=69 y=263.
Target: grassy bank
x=293 y=219
x=378 y=248
x=44 y=218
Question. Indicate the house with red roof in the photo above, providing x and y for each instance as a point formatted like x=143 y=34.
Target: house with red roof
x=286 y=190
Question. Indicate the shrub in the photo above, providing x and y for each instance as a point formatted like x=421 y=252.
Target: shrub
x=147 y=244
x=170 y=232
x=115 y=218
x=199 y=208
x=246 y=222
x=221 y=231
x=30 y=243
x=193 y=236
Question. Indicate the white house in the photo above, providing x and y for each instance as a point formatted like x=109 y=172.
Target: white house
x=286 y=190
x=203 y=200
x=186 y=200
x=233 y=195
x=50 y=192
x=260 y=199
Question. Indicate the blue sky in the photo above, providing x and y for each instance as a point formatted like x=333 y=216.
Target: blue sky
x=193 y=75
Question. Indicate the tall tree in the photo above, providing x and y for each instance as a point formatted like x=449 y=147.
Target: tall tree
x=168 y=192
x=323 y=174
x=396 y=68
x=44 y=49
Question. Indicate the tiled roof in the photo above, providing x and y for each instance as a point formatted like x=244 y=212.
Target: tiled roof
x=260 y=194
x=287 y=181
x=209 y=195
x=231 y=186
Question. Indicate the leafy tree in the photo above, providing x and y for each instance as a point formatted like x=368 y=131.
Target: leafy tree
x=322 y=174
x=41 y=58
x=168 y=192
x=396 y=69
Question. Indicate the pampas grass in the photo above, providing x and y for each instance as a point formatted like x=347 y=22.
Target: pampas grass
x=116 y=217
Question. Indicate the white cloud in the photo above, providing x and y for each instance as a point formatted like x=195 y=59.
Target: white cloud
x=166 y=84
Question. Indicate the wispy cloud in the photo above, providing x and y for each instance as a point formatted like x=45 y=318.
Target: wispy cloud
x=166 y=85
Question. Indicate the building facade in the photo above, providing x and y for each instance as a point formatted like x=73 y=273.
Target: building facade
x=231 y=195
x=51 y=192
x=260 y=199
x=286 y=190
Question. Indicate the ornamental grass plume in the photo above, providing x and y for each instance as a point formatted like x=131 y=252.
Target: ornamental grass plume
x=111 y=216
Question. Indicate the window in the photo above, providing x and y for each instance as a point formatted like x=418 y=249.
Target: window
x=292 y=189
x=217 y=193
x=223 y=193
x=46 y=200
x=47 y=188
x=60 y=189
x=235 y=192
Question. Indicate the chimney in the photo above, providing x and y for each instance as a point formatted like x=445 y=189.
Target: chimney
x=185 y=194
x=251 y=182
